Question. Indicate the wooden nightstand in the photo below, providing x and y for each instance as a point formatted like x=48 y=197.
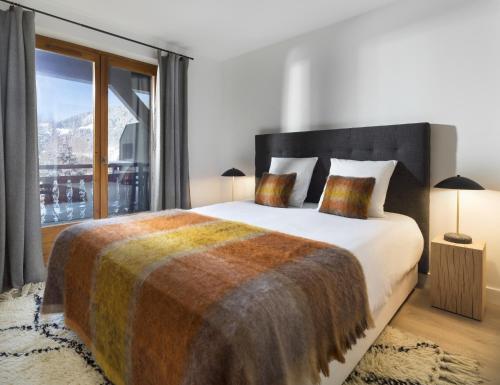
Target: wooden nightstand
x=457 y=277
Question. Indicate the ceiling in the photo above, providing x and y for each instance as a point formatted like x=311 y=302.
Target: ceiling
x=217 y=29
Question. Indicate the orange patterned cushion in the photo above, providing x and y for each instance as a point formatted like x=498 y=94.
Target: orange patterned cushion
x=347 y=196
x=275 y=190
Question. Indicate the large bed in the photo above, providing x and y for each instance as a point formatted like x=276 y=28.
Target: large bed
x=392 y=250
x=191 y=295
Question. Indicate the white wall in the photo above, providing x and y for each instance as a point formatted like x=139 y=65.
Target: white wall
x=415 y=60
x=205 y=106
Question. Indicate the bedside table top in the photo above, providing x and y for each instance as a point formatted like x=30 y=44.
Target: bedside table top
x=476 y=245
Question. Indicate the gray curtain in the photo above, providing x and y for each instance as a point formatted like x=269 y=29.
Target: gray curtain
x=20 y=239
x=170 y=166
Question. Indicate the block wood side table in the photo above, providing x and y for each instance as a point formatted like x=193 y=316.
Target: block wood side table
x=458 y=277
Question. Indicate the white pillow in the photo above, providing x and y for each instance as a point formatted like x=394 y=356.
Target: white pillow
x=303 y=167
x=380 y=170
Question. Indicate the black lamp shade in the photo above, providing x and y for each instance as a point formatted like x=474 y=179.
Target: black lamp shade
x=459 y=183
x=233 y=172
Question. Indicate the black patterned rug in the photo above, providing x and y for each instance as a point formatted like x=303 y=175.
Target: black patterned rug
x=36 y=349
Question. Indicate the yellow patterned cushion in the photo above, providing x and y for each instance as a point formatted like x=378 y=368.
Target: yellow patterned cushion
x=275 y=190
x=347 y=196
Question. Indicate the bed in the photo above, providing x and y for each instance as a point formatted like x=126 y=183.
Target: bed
x=118 y=285
x=408 y=195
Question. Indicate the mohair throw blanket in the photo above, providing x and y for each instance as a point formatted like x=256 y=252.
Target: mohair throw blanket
x=180 y=298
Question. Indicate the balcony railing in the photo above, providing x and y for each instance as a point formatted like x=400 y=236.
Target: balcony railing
x=66 y=191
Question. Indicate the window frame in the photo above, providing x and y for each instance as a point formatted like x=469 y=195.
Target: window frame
x=102 y=61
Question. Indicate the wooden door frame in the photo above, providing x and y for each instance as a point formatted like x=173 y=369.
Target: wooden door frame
x=102 y=61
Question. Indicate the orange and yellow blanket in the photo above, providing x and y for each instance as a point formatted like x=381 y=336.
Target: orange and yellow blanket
x=180 y=298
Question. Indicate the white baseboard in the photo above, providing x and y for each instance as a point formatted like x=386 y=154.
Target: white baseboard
x=492 y=295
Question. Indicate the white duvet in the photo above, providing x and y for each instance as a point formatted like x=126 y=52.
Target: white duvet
x=387 y=248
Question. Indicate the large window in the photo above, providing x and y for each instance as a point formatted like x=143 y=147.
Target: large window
x=65 y=97
x=94 y=120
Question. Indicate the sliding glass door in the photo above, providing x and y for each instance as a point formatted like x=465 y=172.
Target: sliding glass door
x=65 y=98
x=129 y=123
x=94 y=124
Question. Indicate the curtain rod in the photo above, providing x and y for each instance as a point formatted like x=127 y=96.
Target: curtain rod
x=93 y=28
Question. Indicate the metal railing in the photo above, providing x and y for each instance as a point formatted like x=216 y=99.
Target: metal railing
x=66 y=191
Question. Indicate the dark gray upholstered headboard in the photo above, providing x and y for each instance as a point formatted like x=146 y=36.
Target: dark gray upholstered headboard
x=409 y=144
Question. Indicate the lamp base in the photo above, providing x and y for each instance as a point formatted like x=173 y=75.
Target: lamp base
x=458 y=238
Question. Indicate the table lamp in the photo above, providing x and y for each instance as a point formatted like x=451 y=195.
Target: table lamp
x=458 y=183
x=232 y=172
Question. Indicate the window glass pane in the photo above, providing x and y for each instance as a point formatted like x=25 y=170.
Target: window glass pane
x=65 y=102
x=129 y=113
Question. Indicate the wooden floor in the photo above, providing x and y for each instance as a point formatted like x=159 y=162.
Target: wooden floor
x=477 y=339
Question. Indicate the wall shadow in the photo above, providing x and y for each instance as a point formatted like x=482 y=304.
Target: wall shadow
x=268 y=130
x=443 y=152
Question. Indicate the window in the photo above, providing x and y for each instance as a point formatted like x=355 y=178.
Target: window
x=94 y=121
x=129 y=114
x=65 y=98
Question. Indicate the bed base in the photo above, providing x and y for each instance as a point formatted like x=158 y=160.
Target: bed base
x=339 y=372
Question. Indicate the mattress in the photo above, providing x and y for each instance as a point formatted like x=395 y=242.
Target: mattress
x=387 y=248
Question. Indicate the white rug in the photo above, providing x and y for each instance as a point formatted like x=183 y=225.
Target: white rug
x=40 y=350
